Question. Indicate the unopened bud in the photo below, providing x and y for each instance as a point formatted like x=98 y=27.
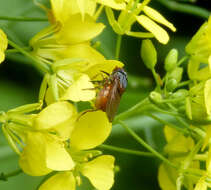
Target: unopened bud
x=171 y=60
x=181 y=93
x=155 y=97
x=176 y=74
x=171 y=85
x=148 y=54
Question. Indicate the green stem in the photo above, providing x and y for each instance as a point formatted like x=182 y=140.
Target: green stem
x=118 y=46
x=38 y=64
x=23 y=19
x=184 y=83
x=4 y=177
x=127 y=151
x=167 y=123
x=148 y=147
x=156 y=78
x=182 y=60
x=185 y=8
x=131 y=110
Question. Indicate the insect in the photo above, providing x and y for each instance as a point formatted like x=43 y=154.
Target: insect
x=109 y=96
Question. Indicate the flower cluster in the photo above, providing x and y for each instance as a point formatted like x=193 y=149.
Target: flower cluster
x=55 y=134
x=189 y=148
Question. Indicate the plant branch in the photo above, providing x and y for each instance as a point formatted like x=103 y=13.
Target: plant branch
x=126 y=151
x=148 y=147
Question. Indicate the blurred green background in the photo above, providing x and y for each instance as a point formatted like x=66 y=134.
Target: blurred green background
x=19 y=84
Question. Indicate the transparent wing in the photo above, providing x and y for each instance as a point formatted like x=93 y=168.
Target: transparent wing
x=113 y=101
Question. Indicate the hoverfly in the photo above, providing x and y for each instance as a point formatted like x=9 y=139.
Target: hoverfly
x=108 y=97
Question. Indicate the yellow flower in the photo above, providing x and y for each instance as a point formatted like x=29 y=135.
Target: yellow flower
x=3 y=45
x=55 y=42
x=178 y=146
x=74 y=79
x=202 y=183
x=90 y=131
x=69 y=34
x=43 y=153
x=45 y=148
x=200 y=45
x=132 y=13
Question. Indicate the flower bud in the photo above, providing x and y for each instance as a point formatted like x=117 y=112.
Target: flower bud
x=155 y=97
x=181 y=93
x=171 y=60
x=171 y=84
x=148 y=54
x=176 y=74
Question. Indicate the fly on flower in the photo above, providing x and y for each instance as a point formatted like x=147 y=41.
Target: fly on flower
x=109 y=96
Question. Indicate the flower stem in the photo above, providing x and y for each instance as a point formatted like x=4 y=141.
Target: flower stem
x=131 y=110
x=167 y=123
x=155 y=77
x=185 y=8
x=118 y=46
x=127 y=151
x=23 y=19
x=41 y=66
x=4 y=177
x=148 y=147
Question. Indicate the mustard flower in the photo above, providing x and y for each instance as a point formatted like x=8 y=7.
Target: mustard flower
x=177 y=148
x=74 y=79
x=70 y=33
x=132 y=13
x=45 y=148
x=45 y=151
x=202 y=183
x=200 y=45
x=3 y=45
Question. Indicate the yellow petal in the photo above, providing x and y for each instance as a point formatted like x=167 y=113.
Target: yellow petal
x=201 y=185
x=108 y=66
x=81 y=90
x=100 y=172
x=155 y=15
x=84 y=51
x=2 y=56
x=3 y=41
x=55 y=115
x=3 y=45
x=75 y=30
x=160 y=34
x=81 y=5
x=113 y=4
x=91 y=130
x=167 y=177
x=57 y=158
x=207 y=96
x=64 y=9
x=60 y=181
x=176 y=141
x=33 y=158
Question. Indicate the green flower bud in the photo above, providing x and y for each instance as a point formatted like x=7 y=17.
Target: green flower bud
x=176 y=74
x=181 y=93
x=155 y=97
x=148 y=54
x=171 y=60
x=171 y=84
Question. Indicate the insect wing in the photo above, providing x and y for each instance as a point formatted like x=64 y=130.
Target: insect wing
x=113 y=101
